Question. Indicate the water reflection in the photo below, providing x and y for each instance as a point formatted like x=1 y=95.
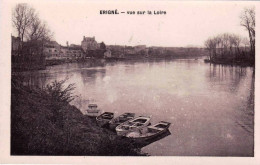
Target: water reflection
x=144 y=143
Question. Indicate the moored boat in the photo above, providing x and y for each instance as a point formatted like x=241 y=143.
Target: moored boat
x=120 y=119
x=104 y=118
x=149 y=132
x=132 y=125
x=92 y=110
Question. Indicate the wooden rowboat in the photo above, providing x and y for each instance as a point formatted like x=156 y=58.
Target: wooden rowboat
x=120 y=119
x=92 y=110
x=132 y=125
x=149 y=132
x=104 y=118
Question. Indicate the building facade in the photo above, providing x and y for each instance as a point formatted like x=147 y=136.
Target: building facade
x=89 y=43
x=108 y=54
x=52 y=50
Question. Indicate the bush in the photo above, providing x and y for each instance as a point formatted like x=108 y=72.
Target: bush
x=43 y=123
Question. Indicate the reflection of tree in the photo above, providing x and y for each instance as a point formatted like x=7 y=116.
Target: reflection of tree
x=230 y=74
x=245 y=118
x=90 y=75
x=32 y=79
x=251 y=102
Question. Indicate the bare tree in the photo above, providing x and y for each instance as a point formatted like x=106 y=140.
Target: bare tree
x=236 y=41
x=224 y=45
x=22 y=18
x=38 y=30
x=211 y=45
x=248 y=21
x=28 y=25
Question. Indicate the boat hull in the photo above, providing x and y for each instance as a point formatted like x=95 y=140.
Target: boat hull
x=147 y=138
x=113 y=126
x=102 y=123
x=93 y=114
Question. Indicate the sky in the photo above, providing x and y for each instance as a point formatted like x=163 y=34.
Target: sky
x=185 y=23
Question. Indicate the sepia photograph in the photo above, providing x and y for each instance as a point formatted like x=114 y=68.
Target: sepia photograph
x=132 y=79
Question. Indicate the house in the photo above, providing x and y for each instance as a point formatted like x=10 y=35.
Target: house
x=89 y=43
x=51 y=50
x=76 y=52
x=108 y=54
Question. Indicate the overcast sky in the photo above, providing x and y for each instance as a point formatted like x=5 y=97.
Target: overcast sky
x=184 y=24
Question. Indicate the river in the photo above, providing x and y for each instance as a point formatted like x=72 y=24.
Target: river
x=210 y=107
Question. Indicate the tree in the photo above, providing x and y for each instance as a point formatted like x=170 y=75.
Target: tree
x=223 y=45
x=236 y=41
x=22 y=17
x=102 y=46
x=30 y=28
x=248 y=21
x=28 y=24
x=38 y=31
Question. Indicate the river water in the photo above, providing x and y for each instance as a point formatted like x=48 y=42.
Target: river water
x=211 y=107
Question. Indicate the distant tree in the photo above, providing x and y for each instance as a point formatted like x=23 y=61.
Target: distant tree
x=248 y=21
x=245 y=42
x=211 y=45
x=236 y=41
x=223 y=45
x=102 y=46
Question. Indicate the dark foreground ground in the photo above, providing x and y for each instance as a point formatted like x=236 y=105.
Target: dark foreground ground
x=44 y=123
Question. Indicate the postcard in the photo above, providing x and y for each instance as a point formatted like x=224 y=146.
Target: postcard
x=129 y=82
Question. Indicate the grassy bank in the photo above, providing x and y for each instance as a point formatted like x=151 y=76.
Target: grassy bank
x=44 y=123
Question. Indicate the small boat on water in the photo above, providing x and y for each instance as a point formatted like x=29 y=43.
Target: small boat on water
x=92 y=110
x=132 y=125
x=120 y=119
x=104 y=118
x=149 y=132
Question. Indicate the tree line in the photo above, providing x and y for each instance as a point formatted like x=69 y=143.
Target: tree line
x=232 y=46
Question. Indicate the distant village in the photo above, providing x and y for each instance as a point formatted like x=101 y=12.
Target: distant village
x=46 y=52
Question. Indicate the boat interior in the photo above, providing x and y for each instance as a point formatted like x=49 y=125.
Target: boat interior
x=124 y=117
x=161 y=125
x=139 y=121
x=107 y=115
x=158 y=127
x=134 y=124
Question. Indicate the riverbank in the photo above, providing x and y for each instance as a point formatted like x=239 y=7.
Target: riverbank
x=44 y=123
x=243 y=63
